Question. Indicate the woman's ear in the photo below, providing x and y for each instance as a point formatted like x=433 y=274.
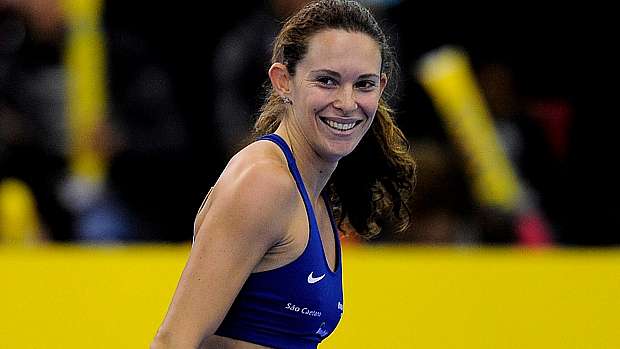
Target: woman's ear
x=280 y=79
x=383 y=82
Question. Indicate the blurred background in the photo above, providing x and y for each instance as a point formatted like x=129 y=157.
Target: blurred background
x=117 y=117
x=116 y=121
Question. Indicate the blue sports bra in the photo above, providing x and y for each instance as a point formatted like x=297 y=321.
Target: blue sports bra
x=296 y=305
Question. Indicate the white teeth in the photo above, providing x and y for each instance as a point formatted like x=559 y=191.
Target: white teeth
x=339 y=126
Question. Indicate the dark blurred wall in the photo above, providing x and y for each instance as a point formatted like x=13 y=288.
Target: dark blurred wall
x=161 y=103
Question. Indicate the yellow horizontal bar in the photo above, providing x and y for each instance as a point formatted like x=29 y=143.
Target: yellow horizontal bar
x=395 y=297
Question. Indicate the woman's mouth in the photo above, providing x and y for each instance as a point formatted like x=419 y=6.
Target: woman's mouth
x=340 y=126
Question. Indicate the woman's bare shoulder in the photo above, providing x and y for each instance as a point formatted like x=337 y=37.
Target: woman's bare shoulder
x=259 y=164
x=256 y=188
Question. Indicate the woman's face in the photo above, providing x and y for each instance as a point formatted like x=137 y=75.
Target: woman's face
x=336 y=91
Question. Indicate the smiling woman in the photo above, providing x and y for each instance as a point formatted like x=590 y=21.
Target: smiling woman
x=364 y=197
x=265 y=268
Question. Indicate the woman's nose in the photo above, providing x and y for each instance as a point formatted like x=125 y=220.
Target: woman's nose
x=345 y=100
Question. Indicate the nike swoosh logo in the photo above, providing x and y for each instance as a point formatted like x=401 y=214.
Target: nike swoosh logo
x=312 y=280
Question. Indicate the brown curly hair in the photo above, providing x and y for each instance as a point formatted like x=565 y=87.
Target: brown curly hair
x=364 y=198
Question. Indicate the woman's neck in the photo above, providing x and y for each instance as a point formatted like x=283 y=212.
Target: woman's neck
x=314 y=170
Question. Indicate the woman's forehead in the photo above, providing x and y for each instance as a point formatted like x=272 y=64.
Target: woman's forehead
x=338 y=49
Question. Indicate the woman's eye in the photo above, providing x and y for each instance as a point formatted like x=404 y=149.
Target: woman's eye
x=366 y=84
x=326 y=81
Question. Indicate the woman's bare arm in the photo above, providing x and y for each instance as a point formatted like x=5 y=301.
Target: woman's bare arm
x=246 y=217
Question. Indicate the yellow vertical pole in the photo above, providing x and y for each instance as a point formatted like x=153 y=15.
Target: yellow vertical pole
x=86 y=96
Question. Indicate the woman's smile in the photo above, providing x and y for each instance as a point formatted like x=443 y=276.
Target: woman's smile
x=341 y=126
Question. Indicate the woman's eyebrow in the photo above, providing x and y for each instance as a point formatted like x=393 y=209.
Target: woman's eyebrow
x=336 y=74
x=326 y=71
x=369 y=76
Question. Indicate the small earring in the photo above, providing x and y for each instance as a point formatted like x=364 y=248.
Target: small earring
x=287 y=100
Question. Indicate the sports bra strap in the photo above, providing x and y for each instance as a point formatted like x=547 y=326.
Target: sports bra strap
x=292 y=165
